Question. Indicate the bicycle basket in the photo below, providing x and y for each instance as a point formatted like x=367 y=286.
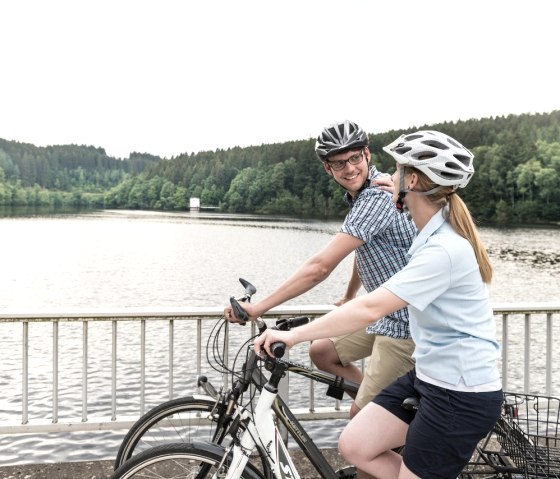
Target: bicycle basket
x=529 y=433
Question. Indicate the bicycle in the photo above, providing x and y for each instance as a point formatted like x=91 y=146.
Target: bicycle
x=216 y=416
x=248 y=431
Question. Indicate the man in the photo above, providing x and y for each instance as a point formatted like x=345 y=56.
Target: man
x=380 y=237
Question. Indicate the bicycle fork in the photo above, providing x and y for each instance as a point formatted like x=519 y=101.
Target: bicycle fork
x=264 y=430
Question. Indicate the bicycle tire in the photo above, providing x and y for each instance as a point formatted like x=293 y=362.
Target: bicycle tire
x=171 y=461
x=180 y=420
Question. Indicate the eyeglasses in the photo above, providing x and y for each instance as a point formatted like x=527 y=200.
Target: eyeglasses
x=338 y=165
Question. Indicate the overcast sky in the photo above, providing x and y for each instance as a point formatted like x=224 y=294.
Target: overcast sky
x=168 y=77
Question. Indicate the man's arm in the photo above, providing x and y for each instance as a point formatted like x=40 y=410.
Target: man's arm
x=315 y=270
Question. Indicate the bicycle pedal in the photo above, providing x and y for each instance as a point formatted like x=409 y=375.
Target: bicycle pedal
x=348 y=472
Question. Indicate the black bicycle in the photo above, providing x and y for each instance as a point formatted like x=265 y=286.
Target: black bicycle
x=215 y=417
x=197 y=433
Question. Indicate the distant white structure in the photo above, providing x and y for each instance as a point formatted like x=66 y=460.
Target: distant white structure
x=194 y=204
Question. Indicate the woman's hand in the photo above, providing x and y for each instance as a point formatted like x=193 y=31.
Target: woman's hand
x=385 y=183
x=271 y=336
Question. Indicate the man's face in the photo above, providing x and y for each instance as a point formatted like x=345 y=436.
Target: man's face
x=350 y=176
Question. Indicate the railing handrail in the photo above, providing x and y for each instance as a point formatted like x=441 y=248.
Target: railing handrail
x=165 y=313
x=503 y=310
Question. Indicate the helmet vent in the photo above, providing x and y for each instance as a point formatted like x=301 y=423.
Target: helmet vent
x=436 y=144
x=466 y=160
x=412 y=137
x=449 y=176
x=454 y=143
x=401 y=150
x=453 y=166
x=425 y=155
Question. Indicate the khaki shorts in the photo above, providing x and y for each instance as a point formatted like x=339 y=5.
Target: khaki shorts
x=389 y=358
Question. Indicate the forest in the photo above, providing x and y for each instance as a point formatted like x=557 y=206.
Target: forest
x=517 y=179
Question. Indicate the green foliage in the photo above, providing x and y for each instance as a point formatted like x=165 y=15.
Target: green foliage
x=517 y=180
x=63 y=176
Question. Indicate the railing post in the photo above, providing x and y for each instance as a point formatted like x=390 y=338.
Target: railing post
x=505 y=351
x=527 y=354
x=55 y=373
x=25 y=375
x=198 y=348
x=84 y=370
x=549 y=343
x=171 y=336
x=114 y=371
x=311 y=389
x=142 y=366
x=226 y=354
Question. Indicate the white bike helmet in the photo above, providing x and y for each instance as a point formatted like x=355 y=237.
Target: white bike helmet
x=338 y=138
x=444 y=160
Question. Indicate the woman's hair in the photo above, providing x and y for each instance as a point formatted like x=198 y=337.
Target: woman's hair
x=460 y=219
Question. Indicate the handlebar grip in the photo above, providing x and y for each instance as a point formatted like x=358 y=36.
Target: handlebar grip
x=249 y=288
x=287 y=324
x=278 y=349
x=298 y=321
x=238 y=310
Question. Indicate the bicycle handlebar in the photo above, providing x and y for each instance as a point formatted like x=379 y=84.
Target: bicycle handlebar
x=287 y=324
x=278 y=349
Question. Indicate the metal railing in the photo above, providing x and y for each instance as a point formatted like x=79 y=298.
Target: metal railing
x=518 y=322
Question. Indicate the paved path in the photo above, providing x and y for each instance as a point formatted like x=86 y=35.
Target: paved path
x=103 y=469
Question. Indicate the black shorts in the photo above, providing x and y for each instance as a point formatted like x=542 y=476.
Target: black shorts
x=445 y=430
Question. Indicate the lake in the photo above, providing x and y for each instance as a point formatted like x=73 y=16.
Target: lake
x=115 y=259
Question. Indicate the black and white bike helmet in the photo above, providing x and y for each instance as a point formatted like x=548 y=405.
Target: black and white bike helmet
x=340 y=137
x=444 y=160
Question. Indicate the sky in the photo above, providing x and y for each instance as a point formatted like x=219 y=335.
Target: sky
x=168 y=77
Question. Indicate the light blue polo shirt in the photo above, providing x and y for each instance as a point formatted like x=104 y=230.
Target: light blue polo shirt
x=451 y=320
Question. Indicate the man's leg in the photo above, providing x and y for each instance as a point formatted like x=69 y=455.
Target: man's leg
x=337 y=355
x=390 y=359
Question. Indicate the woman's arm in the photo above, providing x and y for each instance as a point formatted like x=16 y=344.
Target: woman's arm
x=350 y=317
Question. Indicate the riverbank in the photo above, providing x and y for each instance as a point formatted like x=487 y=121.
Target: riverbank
x=103 y=469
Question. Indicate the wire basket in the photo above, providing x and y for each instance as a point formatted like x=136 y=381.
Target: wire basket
x=529 y=433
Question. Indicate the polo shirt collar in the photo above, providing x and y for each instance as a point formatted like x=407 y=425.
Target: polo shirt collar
x=431 y=227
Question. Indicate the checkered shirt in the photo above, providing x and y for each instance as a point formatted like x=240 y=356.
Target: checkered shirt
x=387 y=236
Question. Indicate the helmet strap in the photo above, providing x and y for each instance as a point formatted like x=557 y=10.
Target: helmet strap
x=432 y=191
x=402 y=191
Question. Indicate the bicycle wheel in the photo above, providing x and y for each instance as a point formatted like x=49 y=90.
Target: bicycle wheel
x=183 y=420
x=174 y=461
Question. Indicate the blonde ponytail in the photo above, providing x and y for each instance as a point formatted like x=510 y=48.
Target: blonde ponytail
x=460 y=219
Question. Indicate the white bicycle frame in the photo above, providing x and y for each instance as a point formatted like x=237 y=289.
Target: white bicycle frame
x=264 y=430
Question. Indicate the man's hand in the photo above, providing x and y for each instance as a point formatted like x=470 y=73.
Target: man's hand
x=230 y=316
x=343 y=300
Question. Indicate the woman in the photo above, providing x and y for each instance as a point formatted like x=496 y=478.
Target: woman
x=445 y=289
